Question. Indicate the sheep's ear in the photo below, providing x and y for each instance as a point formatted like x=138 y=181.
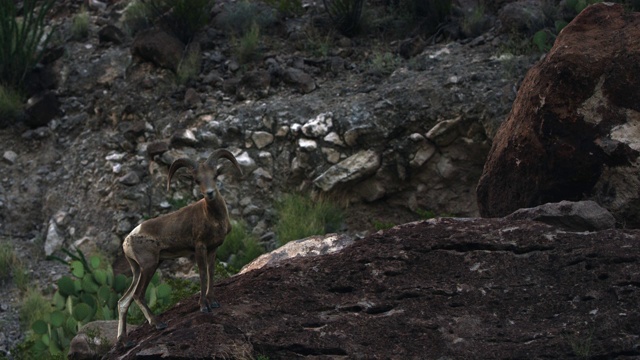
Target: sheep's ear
x=177 y=164
x=222 y=153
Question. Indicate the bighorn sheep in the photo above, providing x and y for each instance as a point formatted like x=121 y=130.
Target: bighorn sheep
x=198 y=228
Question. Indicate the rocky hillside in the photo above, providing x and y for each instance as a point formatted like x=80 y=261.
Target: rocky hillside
x=387 y=126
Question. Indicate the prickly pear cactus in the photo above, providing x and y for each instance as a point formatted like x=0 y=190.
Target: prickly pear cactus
x=91 y=293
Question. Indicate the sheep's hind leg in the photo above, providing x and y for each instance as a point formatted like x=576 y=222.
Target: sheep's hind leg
x=124 y=303
x=139 y=296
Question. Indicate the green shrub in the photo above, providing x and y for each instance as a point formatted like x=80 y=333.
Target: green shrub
x=10 y=105
x=345 y=14
x=247 y=48
x=7 y=260
x=385 y=62
x=189 y=67
x=21 y=39
x=240 y=247
x=34 y=306
x=300 y=217
x=80 y=25
x=137 y=16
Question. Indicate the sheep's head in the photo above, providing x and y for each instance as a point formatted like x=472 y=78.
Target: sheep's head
x=204 y=173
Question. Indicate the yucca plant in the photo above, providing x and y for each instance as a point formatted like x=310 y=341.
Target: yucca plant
x=22 y=39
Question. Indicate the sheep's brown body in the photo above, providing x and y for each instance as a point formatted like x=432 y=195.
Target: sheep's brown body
x=195 y=229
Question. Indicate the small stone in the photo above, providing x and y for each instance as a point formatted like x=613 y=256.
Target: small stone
x=307 y=145
x=115 y=157
x=54 y=240
x=318 y=126
x=186 y=138
x=192 y=98
x=10 y=157
x=282 y=131
x=130 y=179
x=334 y=138
x=262 y=139
x=157 y=148
x=422 y=155
x=332 y=155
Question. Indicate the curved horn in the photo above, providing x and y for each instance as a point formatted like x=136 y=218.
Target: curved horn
x=222 y=153
x=177 y=164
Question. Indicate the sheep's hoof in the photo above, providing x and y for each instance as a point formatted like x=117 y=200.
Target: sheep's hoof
x=160 y=325
x=214 y=304
x=125 y=344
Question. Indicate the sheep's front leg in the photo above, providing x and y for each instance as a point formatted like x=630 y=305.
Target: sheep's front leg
x=211 y=269
x=201 y=260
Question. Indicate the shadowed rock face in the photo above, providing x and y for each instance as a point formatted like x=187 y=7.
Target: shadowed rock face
x=459 y=288
x=572 y=131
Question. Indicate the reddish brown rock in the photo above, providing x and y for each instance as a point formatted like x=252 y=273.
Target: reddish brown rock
x=573 y=130
x=444 y=288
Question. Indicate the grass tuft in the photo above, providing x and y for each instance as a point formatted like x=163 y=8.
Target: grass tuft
x=80 y=25
x=189 y=67
x=300 y=217
x=34 y=306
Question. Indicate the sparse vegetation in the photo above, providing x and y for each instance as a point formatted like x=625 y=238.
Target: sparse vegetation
x=34 y=306
x=300 y=216
x=136 y=17
x=382 y=225
x=247 y=48
x=80 y=25
x=189 y=67
x=385 y=62
x=7 y=260
x=240 y=247
x=10 y=104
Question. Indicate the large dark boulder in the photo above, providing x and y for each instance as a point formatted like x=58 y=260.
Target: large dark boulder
x=159 y=47
x=573 y=130
x=443 y=288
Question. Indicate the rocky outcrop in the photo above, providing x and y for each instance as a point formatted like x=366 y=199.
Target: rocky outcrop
x=571 y=216
x=572 y=132
x=443 y=288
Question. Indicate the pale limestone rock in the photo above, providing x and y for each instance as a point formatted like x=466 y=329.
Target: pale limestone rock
x=355 y=167
x=311 y=246
x=318 y=126
x=262 y=139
